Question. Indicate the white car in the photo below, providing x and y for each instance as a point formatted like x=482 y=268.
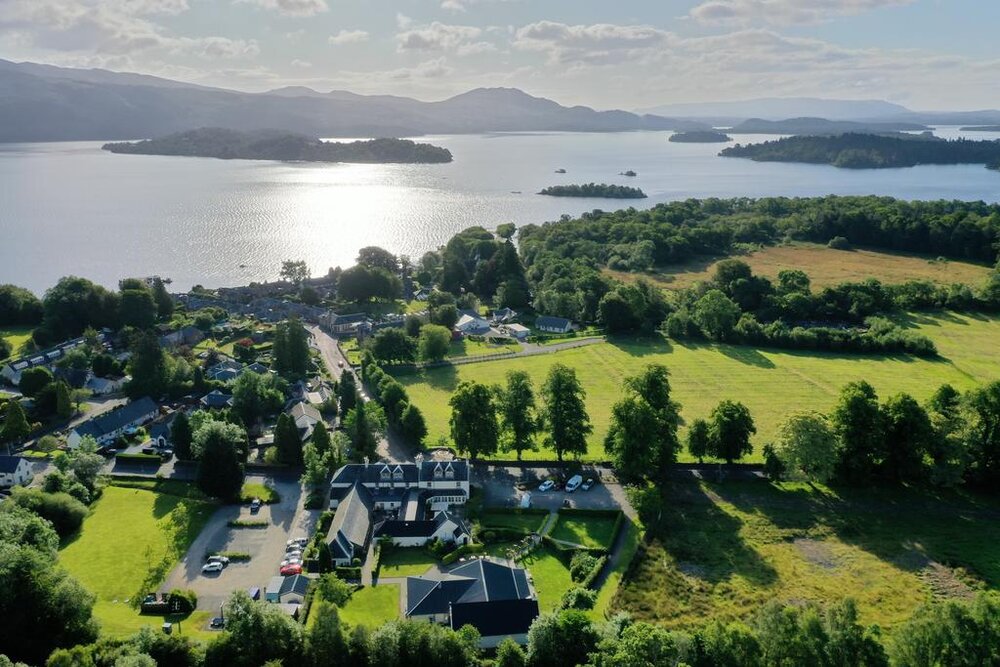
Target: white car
x=219 y=559
x=291 y=561
x=295 y=553
x=212 y=567
x=546 y=485
x=574 y=482
x=297 y=542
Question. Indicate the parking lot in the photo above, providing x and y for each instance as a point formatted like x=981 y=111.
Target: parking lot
x=500 y=487
x=266 y=546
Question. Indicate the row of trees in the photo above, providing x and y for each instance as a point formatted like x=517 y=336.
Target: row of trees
x=487 y=419
x=394 y=409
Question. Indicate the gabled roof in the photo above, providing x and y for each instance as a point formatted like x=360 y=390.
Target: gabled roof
x=553 y=322
x=10 y=463
x=304 y=410
x=392 y=528
x=116 y=419
x=350 y=318
x=480 y=580
x=496 y=618
x=216 y=399
x=352 y=521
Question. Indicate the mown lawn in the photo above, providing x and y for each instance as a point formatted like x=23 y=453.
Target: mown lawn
x=825 y=267
x=17 y=337
x=128 y=544
x=550 y=576
x=723 y=550
x=772 y=383
x=372 y=606
x=595 y=532
x=530 y=522
x=610 y=587
x=404 y=562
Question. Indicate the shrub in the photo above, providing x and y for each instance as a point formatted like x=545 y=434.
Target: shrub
x=466 y=550
x=578 y=598
x=182 y=601
x=234 y=556
x=581 y=565
x=64 y=512
x=839 y=243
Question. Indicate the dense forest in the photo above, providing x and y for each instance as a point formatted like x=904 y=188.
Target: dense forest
x=700 y=137
x=869 y=151
x=271 y=145
x=594 y=190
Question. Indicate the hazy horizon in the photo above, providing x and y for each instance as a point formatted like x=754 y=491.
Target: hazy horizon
x=629 y=55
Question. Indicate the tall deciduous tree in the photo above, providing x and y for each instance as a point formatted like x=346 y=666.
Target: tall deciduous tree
x=434 y=342
x=181 y=436
x=365 y=424
x=255 y=396
x=982 y=415
x=716 y=314
x=164 y=302
x=347 y=389
x=294 y=271
x=730 y=428
x=220 y=469
x=392 y=345
x=909 y=438
x=564 y=413
x=413 y=426
x=857 y=423
x=698 y=439
x=518 y=414
x=15 y=426
x=808 y=447
x=474 y=426
x=631 y=438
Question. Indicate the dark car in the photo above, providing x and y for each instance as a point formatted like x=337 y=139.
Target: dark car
x=148 y=450
x=254 y=593
x=218 y=622
x=255 y=505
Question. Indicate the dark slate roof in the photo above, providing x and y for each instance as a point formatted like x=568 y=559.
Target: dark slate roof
x=9 y=463
x=297 y=583
x=116 y=419
x=216 y=399
x=393 y=528
x=494 y=581
x=495 y=618
x=434 y=596
x=353 y=518
x=460 y=469
x=372 y=473
x=553 y=322
x=350 y=318
x=479 y=580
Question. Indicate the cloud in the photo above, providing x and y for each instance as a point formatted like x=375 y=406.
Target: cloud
x=403 y=21
x=430 y=69
x=783 y=12
x=291 y=7
x=436 y=37
x=463 y=5
x=349 y=37
x=304 y=64
x=602 y=42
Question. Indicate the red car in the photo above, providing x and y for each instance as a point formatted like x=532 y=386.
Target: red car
x=289 y=570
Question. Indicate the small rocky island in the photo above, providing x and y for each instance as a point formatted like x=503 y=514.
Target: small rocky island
x=700 y=137
x=273 y=145
x=870 y=151
x=602 y=190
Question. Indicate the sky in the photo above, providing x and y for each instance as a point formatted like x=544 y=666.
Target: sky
x=627 y=54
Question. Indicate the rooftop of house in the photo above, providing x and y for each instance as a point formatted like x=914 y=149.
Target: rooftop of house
x=376 y=473
x=550 y=321
x=9 y=464
x=119 y=418
x=352 y=520
x=479 y=580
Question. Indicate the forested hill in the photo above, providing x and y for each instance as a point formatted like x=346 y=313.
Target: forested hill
x=229 y=144
x=869 y=151
x=594 y=190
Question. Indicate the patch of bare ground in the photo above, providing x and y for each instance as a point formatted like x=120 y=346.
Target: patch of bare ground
x=816 y=552
x=943 y=581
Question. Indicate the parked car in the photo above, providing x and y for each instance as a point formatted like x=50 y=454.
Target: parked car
x=166 y=454
x=254 y=593
x=217 y=622
x=586 y=486
x=298 y=541
x=255 y=505
x=574 y=483
x=212 y=567
x=148 y=450
x=219 y=559
x=294 y=560
x=547 y=485
x=289 y=570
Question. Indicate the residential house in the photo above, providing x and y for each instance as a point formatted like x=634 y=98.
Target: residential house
x=111 y=425
x=503 y=316
x=224 y=371
x=12 y=368
x=516 y=331
x=258 y=368
x=495 y=598
x=185 y=336
x=216 y=400
x=159 y=432
x=445 y=527
x=305 y=417
x=344 y=325
x=104 y=386
x=14 y=471
x=553 y=324
x=438 y=484
x=351 y=529
x=471 y=323
x=287 y=590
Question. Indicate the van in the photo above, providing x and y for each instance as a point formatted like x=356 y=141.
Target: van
x=525 y=501
x=574 y=483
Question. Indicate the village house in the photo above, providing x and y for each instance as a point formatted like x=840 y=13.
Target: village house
x=287 y=590
x=14 y=471
x=13 y=368
x=185 y=336
x=344 y=325
x=305 y=417
x=495 y=598
x=550 y=324
x=216 y=400
x=444 y=527
x=471 y=323
x=111 y=425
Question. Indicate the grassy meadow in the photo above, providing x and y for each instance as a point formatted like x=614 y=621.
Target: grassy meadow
x=824 y=266
x=723 y=550
x=128 y=544
x=17 y=337
x=772 y=383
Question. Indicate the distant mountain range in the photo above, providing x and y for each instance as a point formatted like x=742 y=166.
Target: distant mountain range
x=822 y=126
x=777 y=108
x=46 y=103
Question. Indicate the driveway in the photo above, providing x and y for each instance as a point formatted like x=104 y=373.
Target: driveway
x=498 y=484
x=266 y=546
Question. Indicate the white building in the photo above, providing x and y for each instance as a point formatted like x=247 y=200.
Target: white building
x=14 y=471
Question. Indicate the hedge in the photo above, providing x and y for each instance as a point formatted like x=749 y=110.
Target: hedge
x=591 y=577
x=247 y=523
x=182 y=601
x=348 y=572
x=234 y=556
x=465 y=550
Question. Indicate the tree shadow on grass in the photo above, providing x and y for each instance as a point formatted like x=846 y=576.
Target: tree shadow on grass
x=442 y=377
x=641 y=346
x=746 y=355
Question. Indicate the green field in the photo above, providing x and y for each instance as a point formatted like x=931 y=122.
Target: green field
x=550 y=576
x=128 y=544
x=773 y=383
x=404 y=562
x=723 y=550
x=527 y=522
x=372 y=606
x=594 y=532
x=17 y=337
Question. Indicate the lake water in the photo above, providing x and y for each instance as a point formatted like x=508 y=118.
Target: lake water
x=70 y=208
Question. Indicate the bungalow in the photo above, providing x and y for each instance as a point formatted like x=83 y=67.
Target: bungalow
x=553 y=324
x=343 y=324
x=471 y=323
x=305 y=417
x=216 y=400
x=224 y=371
x=12 y=369
x=14 y=471
x=516 y=331
x=104 y=386
x=495 y=598
x=109 y=426
x=444 y=527
x=351 y=529
x=185 y=336
x=287 y=590
x=503 y=316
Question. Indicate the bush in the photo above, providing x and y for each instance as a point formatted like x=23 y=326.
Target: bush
x=839 y=243
x=578 y=598
x=65 y=513
x=581 y=565
x=315 y=499
x=348 y=572
x=182 y=601
x=466 y=550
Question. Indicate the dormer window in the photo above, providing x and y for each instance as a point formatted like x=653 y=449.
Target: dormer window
x=385 y=474
x=397 y=473
x=438 y=472
x=449 y=472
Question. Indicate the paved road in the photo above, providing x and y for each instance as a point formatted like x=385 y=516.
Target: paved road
x=266 y=546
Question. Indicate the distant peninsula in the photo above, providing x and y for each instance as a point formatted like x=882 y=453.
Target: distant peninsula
x=869 y=151
x=981 y=128
x=274 y=145
x=602 y=190
x=700 y=137
x=821 y=126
